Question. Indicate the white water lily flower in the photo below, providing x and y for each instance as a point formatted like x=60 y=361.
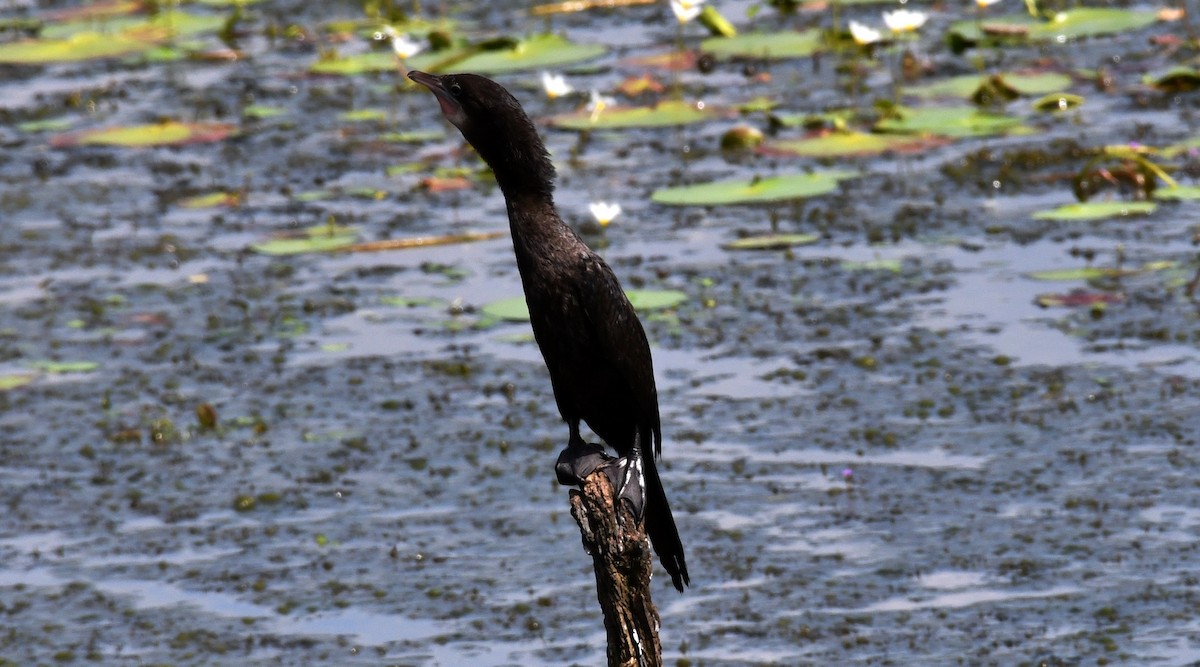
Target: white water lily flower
x=985 y=3
x=904 y=20
x=686 y=10
x=401 y=44
x=555 y=85
x=604 y=212
x=864 y=34
x=599 y=103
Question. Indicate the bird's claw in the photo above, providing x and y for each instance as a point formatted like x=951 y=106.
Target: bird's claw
x=579 y=460
x=625 y=474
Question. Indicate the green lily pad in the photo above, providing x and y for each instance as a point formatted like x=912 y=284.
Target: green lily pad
x=211 y=199
x=843 y=144
x=13 y=381
x=776 y=188
x=415 y=137
x=1179 y=192
x=760 y=103
x=1084 y=273
x=66 y=366
x=666 y=114
x=318 y=238
x=359 y=63
x=1057 y=102
x=169 y=133
x=1071 y=24
x=363 y=115
x=335 y=347
x=1096 y=210
x=1176 y=80
x=155 y=29
x=94 y=10
x=889 y=265
x=966 y=85
x=313 y=195
x=771 y=242
x=77 y=47
x=955 y=122
x=537 y=52
x=647 y=300
x=514 y=309
x=410 y=301
x=772 y=45
x=47 y=125
x=261 y=111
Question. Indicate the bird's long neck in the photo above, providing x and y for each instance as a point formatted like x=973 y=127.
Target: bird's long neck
x=537 y=230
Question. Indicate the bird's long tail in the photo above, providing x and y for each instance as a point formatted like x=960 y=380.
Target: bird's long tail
x=660 y=525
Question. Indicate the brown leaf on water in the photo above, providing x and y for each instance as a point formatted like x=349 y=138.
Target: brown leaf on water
x=573 y=6
x=680 y=61
x=1077 y=298
x=445 y=183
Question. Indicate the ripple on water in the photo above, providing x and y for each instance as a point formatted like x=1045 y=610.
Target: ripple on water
x=936 y=458
x=956 y=600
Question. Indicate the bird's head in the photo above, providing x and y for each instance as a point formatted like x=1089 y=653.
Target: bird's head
x=492 y=121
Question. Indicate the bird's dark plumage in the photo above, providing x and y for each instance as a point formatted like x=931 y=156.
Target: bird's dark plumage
x=593 y=344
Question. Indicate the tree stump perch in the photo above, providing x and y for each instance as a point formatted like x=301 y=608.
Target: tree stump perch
x=621 y=557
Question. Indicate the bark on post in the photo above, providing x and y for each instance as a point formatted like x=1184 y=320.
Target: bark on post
x=621 y=556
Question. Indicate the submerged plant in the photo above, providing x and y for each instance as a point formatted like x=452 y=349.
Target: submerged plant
x=1121 y=166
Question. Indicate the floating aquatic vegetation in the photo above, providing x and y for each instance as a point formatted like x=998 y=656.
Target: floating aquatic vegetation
x=414 y=137
x=46 y=125
x=754 y=191
x=169 y=133
x=1097 y=272
x=16 y=380
x=363 y=115
x=423 y=241
x=80 y=40
x=229 y=199
x=1096 y=210
x=889 y=265
x=1078 y=298
x=153 y=29
x=1024 y=83
x=1085 y=273
x=770 y=45
x=955 y=122
x=716 y=23
x=493 y=57
x=262 y=112
x=1179 y=193
x=1057 y=102
x=665 y=114
x=318 y=238
x=65 y=366
x=741 y=137
x=850 y=143
x=1061 y=27
x=77 y=47
x=771 y=242
x=1176 y=80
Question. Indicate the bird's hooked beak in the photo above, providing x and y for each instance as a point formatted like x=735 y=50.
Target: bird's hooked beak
x=451 y=108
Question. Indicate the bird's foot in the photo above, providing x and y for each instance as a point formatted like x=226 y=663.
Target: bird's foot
x=625 y=474
x=579 y=460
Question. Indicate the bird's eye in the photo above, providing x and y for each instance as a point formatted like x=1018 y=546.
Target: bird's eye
x=455 y=89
